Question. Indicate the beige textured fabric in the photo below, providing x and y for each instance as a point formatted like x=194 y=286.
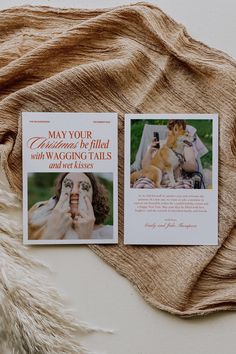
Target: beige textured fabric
x=126 y=60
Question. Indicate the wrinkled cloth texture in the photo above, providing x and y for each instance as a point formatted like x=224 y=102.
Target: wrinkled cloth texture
x=129 y=59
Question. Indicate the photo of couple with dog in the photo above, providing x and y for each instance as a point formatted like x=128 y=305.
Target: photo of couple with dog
x=77 y=210
x=171 y=153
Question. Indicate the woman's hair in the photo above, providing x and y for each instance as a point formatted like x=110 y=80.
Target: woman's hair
x=179 y=122
x=100 y=201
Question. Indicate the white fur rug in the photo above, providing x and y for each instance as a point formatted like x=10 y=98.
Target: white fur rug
x=33 y=318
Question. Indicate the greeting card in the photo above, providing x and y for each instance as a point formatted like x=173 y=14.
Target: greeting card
x=171 y=179
x=69 y=178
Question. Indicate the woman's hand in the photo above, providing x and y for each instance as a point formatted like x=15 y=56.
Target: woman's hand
x=60 y=218
x=152 y=147
x=151 y=150
x=84 y=223
x=190 y=164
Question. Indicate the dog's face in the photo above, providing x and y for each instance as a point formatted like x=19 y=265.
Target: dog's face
x=40 y=211
x=182 y=136
x=185 y=139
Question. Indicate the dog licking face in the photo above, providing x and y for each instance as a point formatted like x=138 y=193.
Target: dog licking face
x=75 y=187
x=40 y=211
x=38 y=216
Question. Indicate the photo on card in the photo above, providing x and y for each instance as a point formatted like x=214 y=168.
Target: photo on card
x=171 y=153
x=70 y=206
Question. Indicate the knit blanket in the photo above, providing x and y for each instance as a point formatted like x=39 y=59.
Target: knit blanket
x=128 y=59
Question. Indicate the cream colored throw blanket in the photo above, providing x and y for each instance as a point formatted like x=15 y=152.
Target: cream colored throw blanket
x=127 y=59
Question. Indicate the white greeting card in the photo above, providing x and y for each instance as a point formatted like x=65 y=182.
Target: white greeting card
x=171 y=179
x=69 y=178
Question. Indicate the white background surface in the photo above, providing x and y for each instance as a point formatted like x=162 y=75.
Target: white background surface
x=99 y=294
